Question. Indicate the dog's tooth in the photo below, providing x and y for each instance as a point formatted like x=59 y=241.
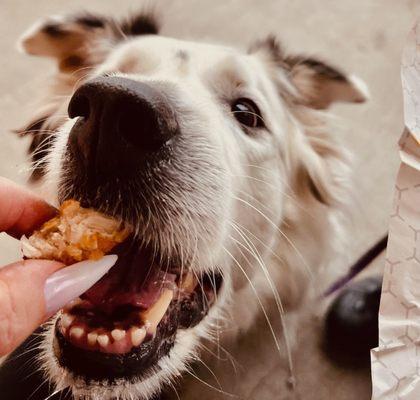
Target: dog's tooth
x=156 y=312
x=137 y=335
x=77 y=332
x=188 y=282
x=103 y=340
x=66 y=320
x=118 y=334
x=91 y=338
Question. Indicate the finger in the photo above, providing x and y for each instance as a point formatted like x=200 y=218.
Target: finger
x=22 y=303
x=21 y=211
x=31 y=291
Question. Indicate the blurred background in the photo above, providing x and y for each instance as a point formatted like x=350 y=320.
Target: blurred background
x=364 y=37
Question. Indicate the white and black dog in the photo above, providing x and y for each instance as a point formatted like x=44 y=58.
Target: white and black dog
x=222 y=162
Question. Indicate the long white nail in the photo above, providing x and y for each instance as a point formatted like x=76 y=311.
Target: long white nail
x=70 y=282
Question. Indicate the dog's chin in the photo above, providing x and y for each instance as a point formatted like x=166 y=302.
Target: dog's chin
x=133 y=330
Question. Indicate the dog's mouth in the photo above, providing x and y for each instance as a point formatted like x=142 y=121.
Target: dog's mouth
x=129 y=319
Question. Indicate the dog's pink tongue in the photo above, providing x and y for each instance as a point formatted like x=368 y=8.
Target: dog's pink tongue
x=129 y=285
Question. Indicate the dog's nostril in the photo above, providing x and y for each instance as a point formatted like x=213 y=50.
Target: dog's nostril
x=138 y=126
x=79 y=107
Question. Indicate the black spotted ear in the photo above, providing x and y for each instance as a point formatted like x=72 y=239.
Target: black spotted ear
x=74 y=41
x=140 y=24
x=84 y=39
x=318 y=84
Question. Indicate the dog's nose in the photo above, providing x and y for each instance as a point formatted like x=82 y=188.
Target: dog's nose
x=121 y=123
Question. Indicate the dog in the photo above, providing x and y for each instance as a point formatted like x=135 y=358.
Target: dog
x=223 y=162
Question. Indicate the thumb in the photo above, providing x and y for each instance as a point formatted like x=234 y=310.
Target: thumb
x=22 y=305
x=32 y=290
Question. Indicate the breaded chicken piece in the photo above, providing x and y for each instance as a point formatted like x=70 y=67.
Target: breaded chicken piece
x=74 y=235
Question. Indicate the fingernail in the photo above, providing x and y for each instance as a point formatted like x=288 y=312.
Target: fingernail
x=68 y=283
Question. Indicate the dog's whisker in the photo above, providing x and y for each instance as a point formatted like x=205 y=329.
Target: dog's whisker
x=254 y=252
x=44 y=381
x=189 y=372
x=198 y=359
x=80 y=79
x=52 y=394
x=268 y=248
x=261 y=204
x=249 y=112
x=44 y=119
x=15 y=357
x=299 y=254
x=173 y=387
x=276 y=188
x=260 y=303
x=229 y=356
x=31 y=347
x=213 y=283
x=39 y=131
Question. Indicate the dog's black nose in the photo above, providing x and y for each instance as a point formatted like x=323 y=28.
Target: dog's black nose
x=121 y=123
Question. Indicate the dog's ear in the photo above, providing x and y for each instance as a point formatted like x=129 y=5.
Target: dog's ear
x=320 y=84
x=317 y=83
x=84 y=39
x=318 y=165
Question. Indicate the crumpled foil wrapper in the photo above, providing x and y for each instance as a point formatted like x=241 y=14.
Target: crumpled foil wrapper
x=396 y=361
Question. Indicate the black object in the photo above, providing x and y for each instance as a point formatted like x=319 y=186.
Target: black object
x=351 y=326
x=359 y=265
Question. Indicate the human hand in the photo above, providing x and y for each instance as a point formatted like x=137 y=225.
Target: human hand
x=31 y=290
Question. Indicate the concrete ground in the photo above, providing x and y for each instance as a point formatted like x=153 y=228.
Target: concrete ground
x=364 y=37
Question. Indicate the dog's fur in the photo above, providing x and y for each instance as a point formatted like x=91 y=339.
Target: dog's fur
x=264 y=210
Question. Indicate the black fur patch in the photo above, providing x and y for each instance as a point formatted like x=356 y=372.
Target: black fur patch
x=323 y=69
x=40 y=145
x=90 y=21
x=272 y=45
x=141 y=24
x=87 y=20
x=54 y=30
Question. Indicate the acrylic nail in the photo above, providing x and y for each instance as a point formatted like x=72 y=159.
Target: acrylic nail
x=68 y=283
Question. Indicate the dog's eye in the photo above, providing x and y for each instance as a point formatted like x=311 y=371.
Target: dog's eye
x=247 y=113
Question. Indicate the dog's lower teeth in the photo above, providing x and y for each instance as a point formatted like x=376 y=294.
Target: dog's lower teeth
x=80 y=325
x=137 y=336
x=91 y=338
x=118 y=334
x=77 y=332
x=103 y=340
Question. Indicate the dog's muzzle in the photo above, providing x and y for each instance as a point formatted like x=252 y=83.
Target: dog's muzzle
x=122 y=124
x=125 y=156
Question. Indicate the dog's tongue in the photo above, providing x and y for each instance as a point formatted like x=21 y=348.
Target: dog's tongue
x=130 y=282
